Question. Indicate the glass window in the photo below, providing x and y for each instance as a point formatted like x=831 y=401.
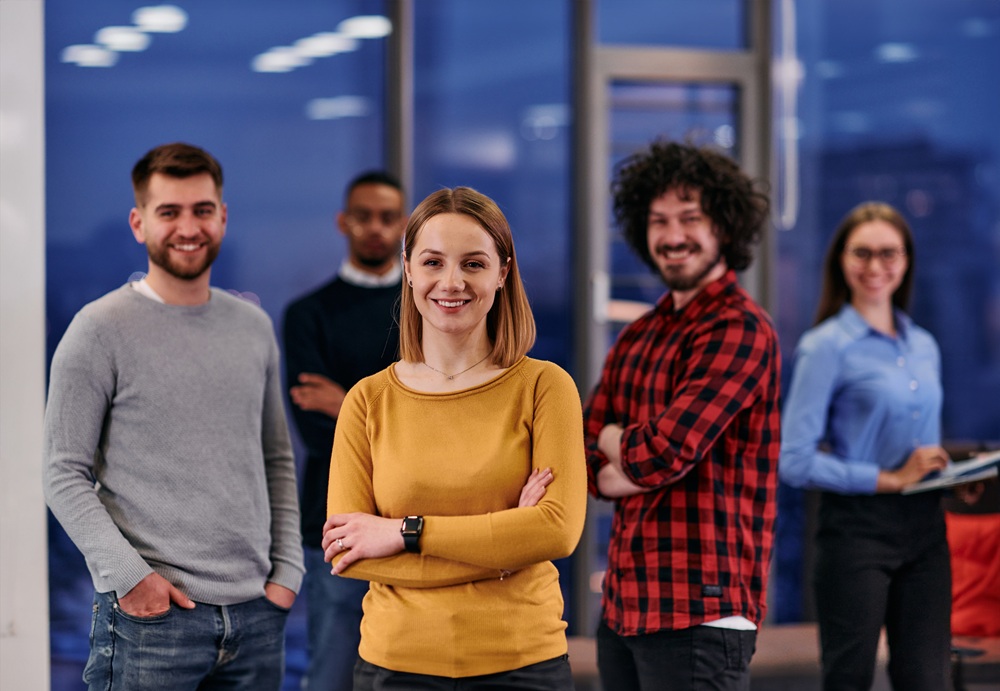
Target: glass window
x=491 y=90
x=719 y=24
x=894 y=101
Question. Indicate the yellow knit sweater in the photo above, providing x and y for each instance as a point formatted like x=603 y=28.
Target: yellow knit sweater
x=460 y=460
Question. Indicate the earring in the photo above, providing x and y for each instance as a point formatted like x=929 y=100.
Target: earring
x=410 y=283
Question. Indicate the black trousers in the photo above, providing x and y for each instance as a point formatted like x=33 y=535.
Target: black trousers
x=883 y=560
x=699 y=658
x=550 y=675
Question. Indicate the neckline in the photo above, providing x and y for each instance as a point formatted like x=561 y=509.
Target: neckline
x=492 y=381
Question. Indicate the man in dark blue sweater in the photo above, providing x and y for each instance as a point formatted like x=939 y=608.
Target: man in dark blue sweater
x=334 y=337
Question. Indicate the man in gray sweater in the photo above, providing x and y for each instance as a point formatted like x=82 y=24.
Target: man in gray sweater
x=167 y=456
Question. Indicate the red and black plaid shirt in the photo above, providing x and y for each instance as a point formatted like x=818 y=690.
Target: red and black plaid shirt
x=697 y=393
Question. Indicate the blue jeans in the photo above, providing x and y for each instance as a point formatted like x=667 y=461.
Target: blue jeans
x=237 y=647
x=550 y=675
x=333 y=608
x=698 y=658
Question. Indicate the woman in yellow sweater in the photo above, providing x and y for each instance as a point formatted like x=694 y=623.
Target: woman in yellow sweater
x=458 y=473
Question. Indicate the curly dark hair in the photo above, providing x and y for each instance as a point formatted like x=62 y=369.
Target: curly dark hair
x=728 y=196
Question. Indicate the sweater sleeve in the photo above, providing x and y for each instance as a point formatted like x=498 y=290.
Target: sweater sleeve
x=464 y=548
x=82 y=386
x=351 y=490
x=286 y=544
x=519 y=537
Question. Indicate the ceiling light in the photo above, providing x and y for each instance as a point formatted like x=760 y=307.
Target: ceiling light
x=325 y=44
x=89 y=55
x=896 y=52
x=337 y=107
x=166 y=19
x=122 y=38
x=280 y=59
x=366 y=26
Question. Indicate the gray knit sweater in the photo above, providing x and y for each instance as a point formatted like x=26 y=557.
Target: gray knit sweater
x=167 y=450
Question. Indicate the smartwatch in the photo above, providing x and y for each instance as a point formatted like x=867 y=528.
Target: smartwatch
x=412 y=528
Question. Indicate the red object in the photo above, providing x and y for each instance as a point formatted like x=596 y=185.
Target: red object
x=974 y=541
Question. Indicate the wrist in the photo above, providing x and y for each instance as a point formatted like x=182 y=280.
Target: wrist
x=411 y=529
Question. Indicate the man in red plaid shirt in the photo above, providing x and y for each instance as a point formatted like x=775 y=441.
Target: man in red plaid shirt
x=683 y=433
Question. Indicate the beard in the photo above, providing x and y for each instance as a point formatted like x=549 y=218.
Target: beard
x=186 y=271
x=683 y=279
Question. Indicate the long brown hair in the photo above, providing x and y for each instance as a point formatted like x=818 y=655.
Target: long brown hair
x=510 y=324
x=835 y=292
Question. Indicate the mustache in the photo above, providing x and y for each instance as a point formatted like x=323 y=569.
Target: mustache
x=664 y=249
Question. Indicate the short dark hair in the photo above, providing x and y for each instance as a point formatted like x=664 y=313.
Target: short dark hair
x=177 y=160
x=374 y=177
x=728 y=196
x=835 y=292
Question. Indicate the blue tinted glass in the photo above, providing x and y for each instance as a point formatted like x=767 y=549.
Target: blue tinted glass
x=492 y=112
x=719 y=24
x=288 y=141
x=896 y=106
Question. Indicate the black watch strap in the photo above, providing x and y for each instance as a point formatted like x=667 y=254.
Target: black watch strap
x=412 y=528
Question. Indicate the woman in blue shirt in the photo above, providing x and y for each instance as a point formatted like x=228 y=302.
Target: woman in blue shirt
x=861 y=422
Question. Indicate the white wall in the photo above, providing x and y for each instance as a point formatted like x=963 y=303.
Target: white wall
x=24 y=593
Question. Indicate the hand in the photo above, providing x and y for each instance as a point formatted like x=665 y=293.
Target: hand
x=534 y=488
x=280 y=595
x=609 y=442
x=151 y=596
x=317 y=393
x=360 y=536
x=922 y=461
x=612 y=483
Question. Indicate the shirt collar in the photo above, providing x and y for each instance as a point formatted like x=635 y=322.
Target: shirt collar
x=703 y=300
x=855 y=325
x=355 y=276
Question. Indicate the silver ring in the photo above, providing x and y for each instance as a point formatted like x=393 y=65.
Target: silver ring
x=340 y=544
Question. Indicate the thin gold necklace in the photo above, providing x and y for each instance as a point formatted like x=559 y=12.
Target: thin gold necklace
x=452 y=376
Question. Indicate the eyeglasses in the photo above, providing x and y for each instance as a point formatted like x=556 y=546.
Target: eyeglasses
x=359 y=218
x=887 y=255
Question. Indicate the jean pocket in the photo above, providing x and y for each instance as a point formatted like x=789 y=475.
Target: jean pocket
x=142 y=620
x=276 y=607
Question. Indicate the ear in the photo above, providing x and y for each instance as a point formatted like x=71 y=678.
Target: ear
x=135 y=223
x=224 y=217
x=406 y=268
x=504 y=270
x=342 y=223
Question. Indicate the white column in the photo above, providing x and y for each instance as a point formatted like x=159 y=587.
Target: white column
x=24 y=594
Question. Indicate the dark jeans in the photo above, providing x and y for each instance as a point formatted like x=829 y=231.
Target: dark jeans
x=550 y=675
x=692 y=659
x=883 y=560
x=333 y=604
x=237 y=647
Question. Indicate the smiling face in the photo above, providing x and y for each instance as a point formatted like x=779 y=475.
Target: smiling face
x=455 y=271
x=373 y=223
x=872 y=280
x=182 y=222
x=684 y=244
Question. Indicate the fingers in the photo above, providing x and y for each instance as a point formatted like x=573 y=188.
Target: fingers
x=180 y=599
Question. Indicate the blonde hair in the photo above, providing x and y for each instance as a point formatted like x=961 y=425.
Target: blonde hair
x=510 y=325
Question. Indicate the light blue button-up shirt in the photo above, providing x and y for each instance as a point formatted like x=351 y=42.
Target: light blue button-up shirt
x=860 y=401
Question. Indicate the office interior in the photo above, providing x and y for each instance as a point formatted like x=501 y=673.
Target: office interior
x=529 y=101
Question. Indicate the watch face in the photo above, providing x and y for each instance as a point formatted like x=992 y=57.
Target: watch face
x=412 y=525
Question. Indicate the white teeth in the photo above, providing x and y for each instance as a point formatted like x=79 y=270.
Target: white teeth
x=186 y=248
x=457 y=303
